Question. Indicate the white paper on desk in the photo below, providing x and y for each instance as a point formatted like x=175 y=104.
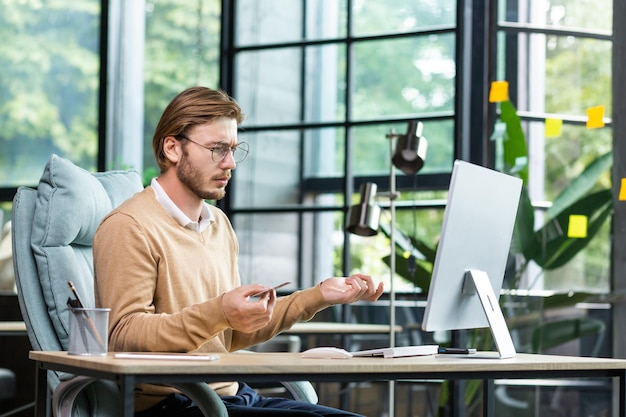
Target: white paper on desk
x=166 y=356
x=399 y=352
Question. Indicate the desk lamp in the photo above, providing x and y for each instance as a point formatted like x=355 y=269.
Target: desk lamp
x=408 y=156
x=364 y=217
x=411 y=149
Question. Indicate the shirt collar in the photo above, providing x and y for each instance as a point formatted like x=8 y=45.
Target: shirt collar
x=206 y=217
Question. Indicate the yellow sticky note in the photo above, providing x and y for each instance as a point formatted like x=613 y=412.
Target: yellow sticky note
x=553 y=128
x=622 y=190
x=577 y=226
x=595 y=117
x=499 y=91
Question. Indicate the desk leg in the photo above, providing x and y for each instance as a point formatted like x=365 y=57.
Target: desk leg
x=127 y=393
x=488 y=395
x=42 y=396
x=621 y=395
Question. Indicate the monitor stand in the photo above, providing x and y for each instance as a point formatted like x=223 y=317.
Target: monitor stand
x=477 y=282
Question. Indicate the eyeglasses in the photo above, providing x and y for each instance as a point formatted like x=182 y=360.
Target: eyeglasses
x=219 y=151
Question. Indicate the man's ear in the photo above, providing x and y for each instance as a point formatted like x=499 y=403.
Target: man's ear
x=172 y=149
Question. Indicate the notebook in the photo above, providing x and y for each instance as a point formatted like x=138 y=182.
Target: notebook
x=166 y=356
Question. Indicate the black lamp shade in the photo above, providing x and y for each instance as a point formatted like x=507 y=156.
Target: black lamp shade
x=411 y=149
x=363 y=218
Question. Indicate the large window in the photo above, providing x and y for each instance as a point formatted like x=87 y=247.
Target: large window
x=323 y=87
x=322 y=83
x=49 y=86
x=56 y=58
x=557 y=58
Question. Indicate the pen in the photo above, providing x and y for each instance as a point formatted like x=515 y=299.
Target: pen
x=457 y=351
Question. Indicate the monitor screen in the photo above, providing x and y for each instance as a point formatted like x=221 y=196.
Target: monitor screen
x=472 y=253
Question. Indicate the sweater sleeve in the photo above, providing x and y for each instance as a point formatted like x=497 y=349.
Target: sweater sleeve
x=299 y=306
x=126 y=269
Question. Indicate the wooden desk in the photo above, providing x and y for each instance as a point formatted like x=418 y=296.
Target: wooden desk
x=291 y=366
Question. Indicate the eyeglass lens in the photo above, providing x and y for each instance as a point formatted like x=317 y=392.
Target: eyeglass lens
x=239 y=152
x=218 y=152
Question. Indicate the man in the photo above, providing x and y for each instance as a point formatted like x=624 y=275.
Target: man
x=166 y=263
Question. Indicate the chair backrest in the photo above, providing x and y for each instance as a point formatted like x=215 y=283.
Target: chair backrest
x=53 y=229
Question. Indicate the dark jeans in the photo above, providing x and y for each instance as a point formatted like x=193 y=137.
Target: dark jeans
x=246 y=403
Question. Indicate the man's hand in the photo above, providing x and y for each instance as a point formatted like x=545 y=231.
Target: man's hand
x=356 y=287
x=244 y=315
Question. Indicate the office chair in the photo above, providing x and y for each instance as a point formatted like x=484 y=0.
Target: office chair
x=53 y=229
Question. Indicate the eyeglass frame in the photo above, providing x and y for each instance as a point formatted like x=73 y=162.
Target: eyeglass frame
x=243 y=150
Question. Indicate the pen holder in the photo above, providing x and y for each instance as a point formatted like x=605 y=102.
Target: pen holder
x=88 y=332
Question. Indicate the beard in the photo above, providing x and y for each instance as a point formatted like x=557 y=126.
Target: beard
x=193 y=179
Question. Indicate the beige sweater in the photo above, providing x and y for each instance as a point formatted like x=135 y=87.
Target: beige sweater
x=163 y=283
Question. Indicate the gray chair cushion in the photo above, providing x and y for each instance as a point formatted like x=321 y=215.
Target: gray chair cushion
x=70 y=204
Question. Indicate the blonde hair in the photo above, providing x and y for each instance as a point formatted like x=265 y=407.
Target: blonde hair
x=194 y=106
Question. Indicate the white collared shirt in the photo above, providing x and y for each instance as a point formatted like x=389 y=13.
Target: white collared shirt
x=206 y=217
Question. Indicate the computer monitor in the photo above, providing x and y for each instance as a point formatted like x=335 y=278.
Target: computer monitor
x=472 y=254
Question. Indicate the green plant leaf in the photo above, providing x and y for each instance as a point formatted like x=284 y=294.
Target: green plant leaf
x=525 y=240
x=582 y=184
x=423 y=271
x=515 y=150
x=556 y=247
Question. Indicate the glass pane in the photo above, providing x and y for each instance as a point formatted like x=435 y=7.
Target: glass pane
x=280 y=21
x=325 y=83
x=268 y=247
x=181 y=50
x=589 y=270
x=269 y=87
x=49 y=86
x=5 y=216
x=420 y=224
x=326 y=19
x=566 y=75
x=554 y=163
x=563 y=14
x=372 y=154
x=401 y=16
x=325 y=152
x=270 y=176
x=279 y=247
x=568 y=154
x=584 y=64
x=404 y=76
x=441 y=138
x=268 y=21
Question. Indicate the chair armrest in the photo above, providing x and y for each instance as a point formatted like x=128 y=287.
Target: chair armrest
x=66 y=393
x=301 y=391
x=205 y=398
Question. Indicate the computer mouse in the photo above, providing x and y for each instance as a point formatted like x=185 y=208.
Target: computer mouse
x=326 y=353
